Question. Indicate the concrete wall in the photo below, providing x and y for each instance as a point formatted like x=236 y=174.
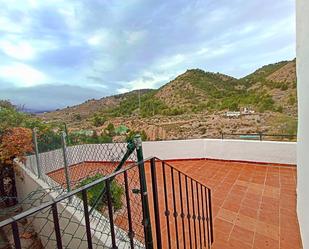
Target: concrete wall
x=255 y=151
x=302 y=41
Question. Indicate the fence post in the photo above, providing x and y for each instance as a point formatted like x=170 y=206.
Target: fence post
x=144 y=194
x=66 y=133
x=65 y=161
x=156 y=202
x=36 y=150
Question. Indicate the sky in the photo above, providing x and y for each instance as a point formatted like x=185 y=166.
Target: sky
x=57 y=53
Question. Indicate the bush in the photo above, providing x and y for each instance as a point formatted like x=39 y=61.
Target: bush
x=280 y=109
x=110 y=129
x=131 y=135
x=77 y=117
x=94 y=192
x=284 y=87
x=98 y=120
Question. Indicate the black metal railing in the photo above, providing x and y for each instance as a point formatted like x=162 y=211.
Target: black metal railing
x=182 y=208
x=178 y=210
x=259 y=136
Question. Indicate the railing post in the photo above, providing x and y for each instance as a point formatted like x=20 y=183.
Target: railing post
x=156 y=202
x=87 y=221
x=65 y=161
x=36 y=150
x=56 y=225
x=110 y=213
x=144 y=194
x=16 y=236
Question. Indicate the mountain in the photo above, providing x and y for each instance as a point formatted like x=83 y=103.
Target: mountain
x=75 y=114
x=194 y=96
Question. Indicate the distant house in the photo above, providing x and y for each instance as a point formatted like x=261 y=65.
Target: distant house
x=232 y=114
x=247 y=111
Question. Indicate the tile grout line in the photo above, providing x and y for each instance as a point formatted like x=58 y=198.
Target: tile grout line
x=260 y=205
x=240 y=204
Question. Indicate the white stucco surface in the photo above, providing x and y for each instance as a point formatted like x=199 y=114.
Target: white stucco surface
x=302 y=55
x=242 y=150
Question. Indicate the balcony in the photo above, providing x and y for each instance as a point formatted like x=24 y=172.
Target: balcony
x=252 y=186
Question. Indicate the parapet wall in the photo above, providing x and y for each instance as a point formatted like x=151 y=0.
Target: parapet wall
x=239 y=150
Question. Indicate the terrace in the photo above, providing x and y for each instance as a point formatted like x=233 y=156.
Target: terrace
x=253 y=192
x=253 y=204
x=253 y=186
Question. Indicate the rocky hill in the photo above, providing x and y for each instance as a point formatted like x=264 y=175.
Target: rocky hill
x=194 y=105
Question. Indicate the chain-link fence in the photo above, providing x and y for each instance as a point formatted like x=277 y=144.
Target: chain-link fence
x=95 y=196
x=115 y=223
x=59 y=164
x=64 y=168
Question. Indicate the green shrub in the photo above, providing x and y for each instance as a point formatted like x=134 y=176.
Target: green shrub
x=98 y=120
x=110 y=129
x=131 y=135
x=77 y=117
x=93 y=193
x=280 y=109
x=284 y=87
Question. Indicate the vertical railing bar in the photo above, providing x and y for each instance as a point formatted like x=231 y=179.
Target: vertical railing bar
x=210 y=216
x=188 y=210
x=207 y=216
x=193 y=210
x=110 y=213
x=182 y=213
x=203 y=213
x=131 y=233
x=156 y=202
x=16 y=235
x=198 y=212
x=175 y=208
x=56 y=225
x=87 y=222
x=167 y=212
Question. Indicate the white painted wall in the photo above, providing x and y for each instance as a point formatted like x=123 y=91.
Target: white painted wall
x=302 y=55
x=242 y=150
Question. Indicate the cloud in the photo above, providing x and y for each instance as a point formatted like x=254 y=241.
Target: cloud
x=47 y=97
x=19 y=50
x=22 y=74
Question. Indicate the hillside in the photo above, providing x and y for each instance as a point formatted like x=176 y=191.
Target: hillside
x=78 y=113
x=198 y=99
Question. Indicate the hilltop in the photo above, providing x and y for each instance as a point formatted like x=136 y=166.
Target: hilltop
x=197 y=99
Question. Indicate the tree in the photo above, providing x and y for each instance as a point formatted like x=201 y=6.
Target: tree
x=98 y=120
x=110 y=129
x=14 y=143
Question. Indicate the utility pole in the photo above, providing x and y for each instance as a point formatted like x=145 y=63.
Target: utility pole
x=139 y=101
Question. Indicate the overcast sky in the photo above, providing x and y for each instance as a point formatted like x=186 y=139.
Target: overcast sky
x=55 y=53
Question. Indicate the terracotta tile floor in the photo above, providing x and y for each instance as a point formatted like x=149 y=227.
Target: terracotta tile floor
x=254 y=205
